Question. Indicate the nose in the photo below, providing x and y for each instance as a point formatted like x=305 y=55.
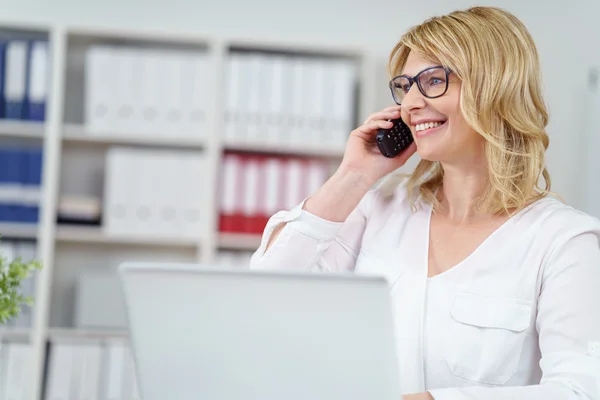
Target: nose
x=414 y=100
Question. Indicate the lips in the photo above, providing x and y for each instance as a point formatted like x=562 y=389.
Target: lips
x=426 y=128
x=428 y=125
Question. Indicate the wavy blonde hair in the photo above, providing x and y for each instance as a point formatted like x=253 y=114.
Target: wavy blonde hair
x=494 y=56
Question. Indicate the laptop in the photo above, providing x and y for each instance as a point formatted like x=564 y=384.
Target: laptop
x=216 y=333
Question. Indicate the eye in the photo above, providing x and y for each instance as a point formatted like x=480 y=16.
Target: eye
x=435 y=81
x=404 y=87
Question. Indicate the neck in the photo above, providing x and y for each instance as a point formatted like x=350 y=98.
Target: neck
x=458 y=193
x=462 y=184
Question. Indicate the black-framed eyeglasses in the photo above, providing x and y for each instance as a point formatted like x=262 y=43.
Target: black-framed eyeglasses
x=432 y=82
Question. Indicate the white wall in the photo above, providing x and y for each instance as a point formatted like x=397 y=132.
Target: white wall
x=561 y=29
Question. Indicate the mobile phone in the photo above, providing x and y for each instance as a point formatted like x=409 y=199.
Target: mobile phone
x=392 y=141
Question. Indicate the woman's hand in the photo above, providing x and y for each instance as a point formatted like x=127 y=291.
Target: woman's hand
x=418 y=396
x=362 y=155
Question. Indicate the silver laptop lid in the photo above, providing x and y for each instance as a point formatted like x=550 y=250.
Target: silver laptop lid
x=203 y=332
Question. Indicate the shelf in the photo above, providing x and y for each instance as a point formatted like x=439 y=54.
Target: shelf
x=239 y=241
x=165 y=37
x=21 y=129
x=298 y=150
x=309 y=48
x=85 y=234
x=77 y=133
x=18 y=231
x=73 y=334
x=15 y=334
x=25 y=26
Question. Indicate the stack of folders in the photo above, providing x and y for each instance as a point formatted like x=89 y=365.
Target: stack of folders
x=287 y=101
x=26 y=250
x=24 y=77
x=15 y=367
x=20 y=184
x=254 y=187
x=146 y=91
x=154 y=192
x=91 y=370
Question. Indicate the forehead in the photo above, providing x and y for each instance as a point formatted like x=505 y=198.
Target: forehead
x=415 y=63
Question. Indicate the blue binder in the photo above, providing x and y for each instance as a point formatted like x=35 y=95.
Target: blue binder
x=31 y=161
x=15 y=79
x=37 y=68
x=3 y=44
x=11 y=206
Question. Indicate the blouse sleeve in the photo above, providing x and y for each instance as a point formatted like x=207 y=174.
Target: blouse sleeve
x=308 y=242
x=568 y=323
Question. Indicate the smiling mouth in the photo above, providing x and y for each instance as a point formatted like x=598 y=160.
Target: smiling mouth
x=425 y=128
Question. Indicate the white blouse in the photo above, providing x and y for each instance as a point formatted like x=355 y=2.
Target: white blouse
x=517 y=319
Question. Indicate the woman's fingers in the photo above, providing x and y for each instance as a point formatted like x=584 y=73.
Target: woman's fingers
x=372 y=126
x=387 y=114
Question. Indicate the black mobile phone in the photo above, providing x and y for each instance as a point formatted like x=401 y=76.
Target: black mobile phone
x=392 y=141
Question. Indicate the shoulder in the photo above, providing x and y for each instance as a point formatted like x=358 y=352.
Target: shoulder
x=558 y=227
x=557 y=219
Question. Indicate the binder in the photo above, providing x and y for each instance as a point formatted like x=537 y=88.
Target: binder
x=10 y=185
x=31 y=181
x=115 y=371
x=195 y=94
x=344 y=81
x=295 y=133
x=232 y=186
x=173 y=86
x=38 y=80
x=255 y=84
x=314 y=102
x=125 y=98
x=18 y=365
x=15 y=79
x=134 y=207
x=295 y=182
x=150 y=92
x=251 y=198
x=60 y=371
x=233 y=93
x=100 y=105
x=273 y=188
x=90 y=368
x=3 y=46
x=275 y=98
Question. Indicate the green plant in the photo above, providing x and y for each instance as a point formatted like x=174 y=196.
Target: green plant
x=12 y=274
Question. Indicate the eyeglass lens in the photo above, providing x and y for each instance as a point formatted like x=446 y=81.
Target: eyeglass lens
x=432 y=83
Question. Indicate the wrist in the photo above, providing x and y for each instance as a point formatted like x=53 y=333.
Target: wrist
x=354 y=177
x=338 y=197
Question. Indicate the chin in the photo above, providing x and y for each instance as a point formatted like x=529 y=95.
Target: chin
x=430 y=153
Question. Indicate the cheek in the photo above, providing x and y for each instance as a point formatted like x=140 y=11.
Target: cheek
x=404 y=115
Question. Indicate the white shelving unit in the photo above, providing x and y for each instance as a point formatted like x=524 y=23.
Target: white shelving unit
x=21 y=129
x=74 y=163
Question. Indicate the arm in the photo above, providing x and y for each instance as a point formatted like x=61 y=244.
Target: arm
x=324 y=231
x=568 y=323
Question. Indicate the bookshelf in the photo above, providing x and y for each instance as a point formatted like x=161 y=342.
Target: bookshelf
x=75 y=154
x=21 y=129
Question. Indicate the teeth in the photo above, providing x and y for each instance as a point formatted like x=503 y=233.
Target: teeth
x=427 y=125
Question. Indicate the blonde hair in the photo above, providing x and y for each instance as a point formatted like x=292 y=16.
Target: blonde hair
x=494 y=56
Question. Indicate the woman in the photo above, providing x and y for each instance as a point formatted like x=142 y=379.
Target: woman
x=494 y=282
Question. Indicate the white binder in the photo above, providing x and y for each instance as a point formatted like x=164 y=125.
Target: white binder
x=15 y=79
